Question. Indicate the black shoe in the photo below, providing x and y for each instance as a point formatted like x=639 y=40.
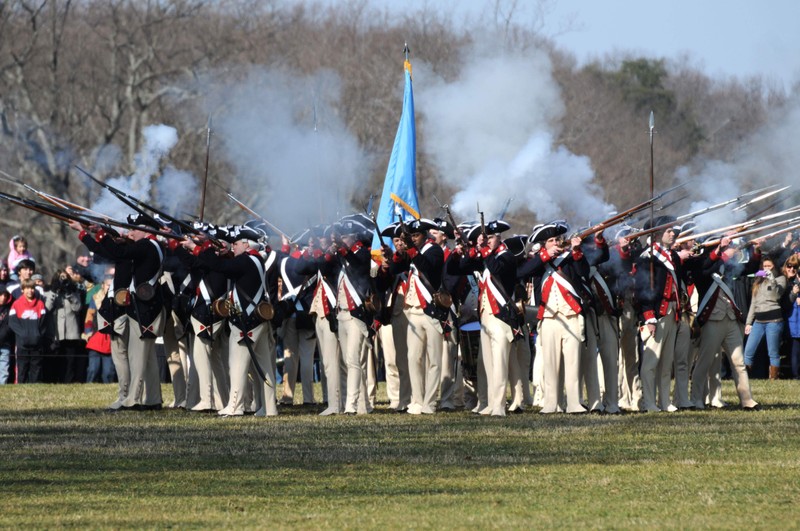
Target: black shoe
x=149 y=407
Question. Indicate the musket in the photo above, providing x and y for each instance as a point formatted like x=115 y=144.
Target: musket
x=483 y=223
x=459 y=237
x=740 y=226
x=257 y=215
x=205 y=175
x=755 y=230
x=406 y=234
x=659 y=208
x=58 y=212
x=371 y=215
x=140 y=206
x=52 y=199
x=768 y=207
x=105 y=223
x=776 y=233
x=237 y=313
x=759 y=198
x=620 y=217
x=651 y=230
x=711 y=208
x=711 y=243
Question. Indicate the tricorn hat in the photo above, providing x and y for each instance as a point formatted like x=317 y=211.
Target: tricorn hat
x=516 y=244
x=143 y=220
x=496 y=226
x=421 y=225
x=392 y=230
x=544 y=231
x=445 y=227
x=360 y=219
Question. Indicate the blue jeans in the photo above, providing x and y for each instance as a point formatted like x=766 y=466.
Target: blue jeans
x=5 y=360
x=100 y=365
x=773 y=331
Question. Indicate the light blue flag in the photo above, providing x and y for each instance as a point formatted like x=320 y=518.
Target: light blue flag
x=400 y=187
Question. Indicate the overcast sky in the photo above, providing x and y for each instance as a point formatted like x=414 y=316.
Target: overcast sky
x=722 y=37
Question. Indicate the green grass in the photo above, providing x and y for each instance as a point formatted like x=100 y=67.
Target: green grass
x=68 y=463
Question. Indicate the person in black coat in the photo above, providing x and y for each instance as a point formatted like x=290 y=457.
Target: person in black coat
x=253 y=271
x=658 y=279
x=145 y=305
x=501 y=323
x=422 y=259
x=561 y=265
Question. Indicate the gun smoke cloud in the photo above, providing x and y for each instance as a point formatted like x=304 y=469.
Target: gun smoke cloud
x=492 y=134
x=289 y=173
x=765 y=158
x=173 y=190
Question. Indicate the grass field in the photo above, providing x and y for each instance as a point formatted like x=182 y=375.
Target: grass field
x=68 y=463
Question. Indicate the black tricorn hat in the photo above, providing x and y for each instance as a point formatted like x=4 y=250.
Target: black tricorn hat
x=421 y=225
x=243 y=232
x=445 y=227
x=220 y=232
x=496 y=226
x=359 y=218
x=544 y=231
x=392 y=230
x=143 y=220
x=260 y=227
x=516 y=244
x=349 y=226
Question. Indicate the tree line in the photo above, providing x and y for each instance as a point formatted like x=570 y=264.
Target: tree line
x=80 y=76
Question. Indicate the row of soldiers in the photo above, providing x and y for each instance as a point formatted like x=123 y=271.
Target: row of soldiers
x=453 y=321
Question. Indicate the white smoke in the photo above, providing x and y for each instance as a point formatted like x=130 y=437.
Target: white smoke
x=289 y=173
x=174 y=190
x=765 y=158
x=176 y=193
x=492 y=132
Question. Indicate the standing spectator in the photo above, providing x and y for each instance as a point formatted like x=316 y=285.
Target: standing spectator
x=793 y=309
x=63 y=302
x=98 y=344
x=17 y=250
x=27 y=321
x=765 y=316
x=24 y=271
x=6 y=335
